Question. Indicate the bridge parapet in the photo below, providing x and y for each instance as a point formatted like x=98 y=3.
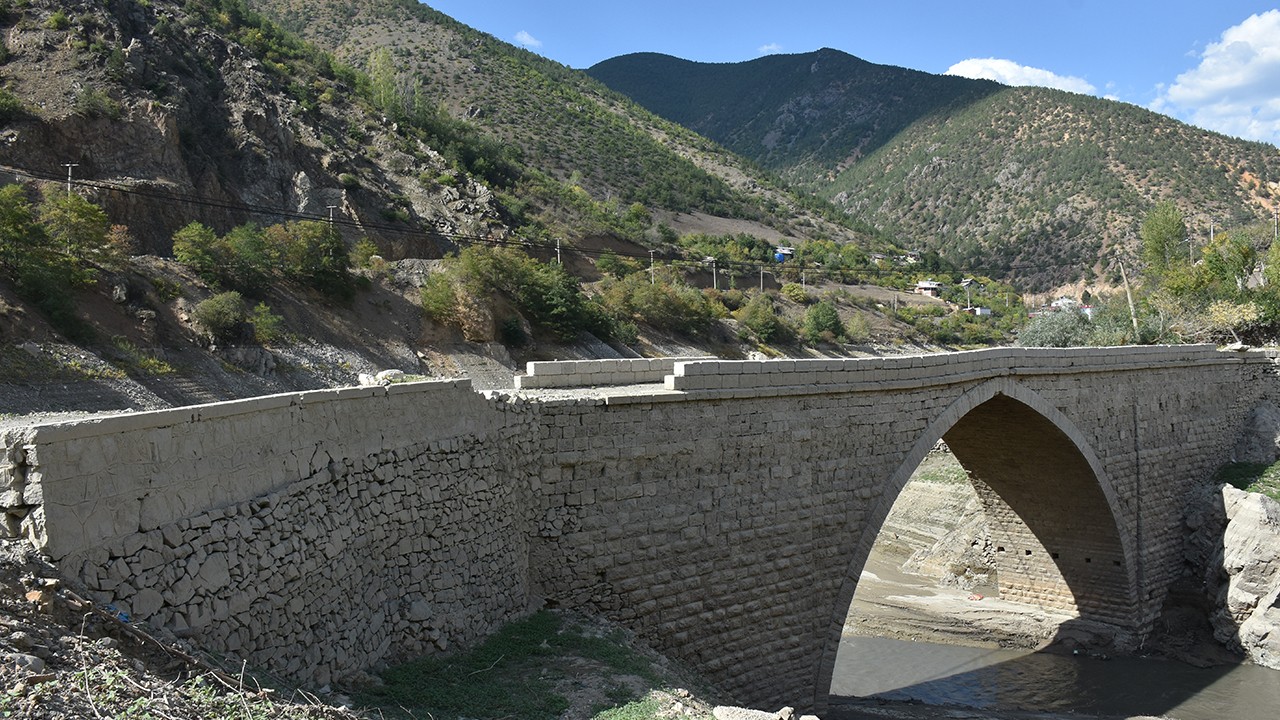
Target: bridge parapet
x=770 y=377
x=596 y=373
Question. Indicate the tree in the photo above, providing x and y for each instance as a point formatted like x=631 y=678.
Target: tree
x=77 y=228
x=21 y=239
x=312 y=253
x=1232 y=258
x=249 y=258
x=1163 y=231
x=1272 y=269
x=196 y=246
x=1232 y=317
x=384 y=81
x=822 y=323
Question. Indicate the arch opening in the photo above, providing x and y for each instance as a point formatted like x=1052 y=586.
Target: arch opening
x=1051 y=531
x=1056 y=539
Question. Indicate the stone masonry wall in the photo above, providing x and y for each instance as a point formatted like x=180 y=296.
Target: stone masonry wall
x=314 y=535
x=724 y=515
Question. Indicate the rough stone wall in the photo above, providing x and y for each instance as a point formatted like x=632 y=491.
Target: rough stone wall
x=312 y=535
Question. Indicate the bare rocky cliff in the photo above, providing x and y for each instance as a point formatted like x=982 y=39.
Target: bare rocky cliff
x=177 y=120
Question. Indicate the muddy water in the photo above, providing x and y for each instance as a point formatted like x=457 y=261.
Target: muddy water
x=985 y=677
x=1008 y=680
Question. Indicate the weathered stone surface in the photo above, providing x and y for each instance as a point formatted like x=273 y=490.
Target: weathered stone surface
x=1250 y=597
x=1260 y=442
x=728 y=712
x=26 y=664
x=146 y=602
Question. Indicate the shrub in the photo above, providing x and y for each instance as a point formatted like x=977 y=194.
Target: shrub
x=761 y=317
x=857 y=329
x=626 y=332
x=59 y=20
x=197 y=247
x=545 y=293
x=1055 y=329
x=512 y=333
x=363 y=252
x=439 y=299
x=667 y=304
x=796 y=293
x=11 y=107
x=95 y=103
x=248 y=258
x=610 y=264
x=222 y=316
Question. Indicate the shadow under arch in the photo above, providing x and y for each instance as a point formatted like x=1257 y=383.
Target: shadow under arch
x=1062 y=535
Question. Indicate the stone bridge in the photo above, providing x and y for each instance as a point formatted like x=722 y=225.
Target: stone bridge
x=724 y=514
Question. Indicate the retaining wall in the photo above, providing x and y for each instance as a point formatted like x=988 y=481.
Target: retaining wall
x=313 y=534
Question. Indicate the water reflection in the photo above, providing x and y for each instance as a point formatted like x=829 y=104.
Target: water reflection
x=1008 y=680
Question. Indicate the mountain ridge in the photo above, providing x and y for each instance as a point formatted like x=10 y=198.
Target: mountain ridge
x=730 y=103
x=568 y=126
x=990 y=176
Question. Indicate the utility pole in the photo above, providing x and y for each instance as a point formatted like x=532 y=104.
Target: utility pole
x=558 y=260
x=715 y=276
x=761 y=278
x=652 y=278
x=68 y=166
x=1133 y=315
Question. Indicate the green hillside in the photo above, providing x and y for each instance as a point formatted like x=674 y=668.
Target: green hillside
x=563 y=125
x=1050 y=186
x=804 y=115
x=1038 y=185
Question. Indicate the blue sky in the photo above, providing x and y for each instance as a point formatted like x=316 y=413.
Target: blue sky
x=1212 y=63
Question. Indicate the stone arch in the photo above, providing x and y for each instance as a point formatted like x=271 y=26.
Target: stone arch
x=1101 y=583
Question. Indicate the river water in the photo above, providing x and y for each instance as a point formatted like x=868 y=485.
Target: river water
x=1010 y=680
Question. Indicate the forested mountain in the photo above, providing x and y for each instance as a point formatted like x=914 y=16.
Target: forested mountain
x=1041 y=185
x=804 y=116
x=560 y=124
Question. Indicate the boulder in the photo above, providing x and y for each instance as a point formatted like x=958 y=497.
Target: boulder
x=1249 y=599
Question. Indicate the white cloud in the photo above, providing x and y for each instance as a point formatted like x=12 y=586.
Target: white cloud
x=1011 y=73
x=1236 y=88
x=769 y=49
x=524 y=39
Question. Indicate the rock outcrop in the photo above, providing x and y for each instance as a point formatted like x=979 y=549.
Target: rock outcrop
x=1249 y=600
x=1237 y=537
